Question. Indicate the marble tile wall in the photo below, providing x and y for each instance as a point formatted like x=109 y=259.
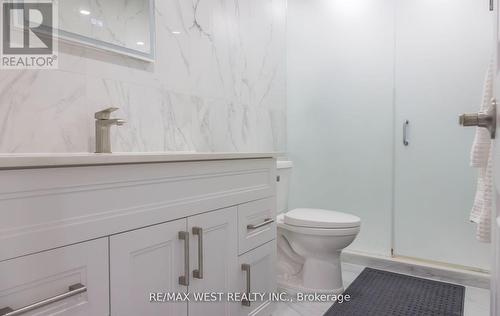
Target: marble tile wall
x=218 y=84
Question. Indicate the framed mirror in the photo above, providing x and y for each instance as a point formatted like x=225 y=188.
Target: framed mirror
x=122 y=26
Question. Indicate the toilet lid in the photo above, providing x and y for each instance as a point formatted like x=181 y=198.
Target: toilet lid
x=317 y=218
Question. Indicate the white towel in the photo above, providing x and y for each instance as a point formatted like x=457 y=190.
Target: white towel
x=481 y=158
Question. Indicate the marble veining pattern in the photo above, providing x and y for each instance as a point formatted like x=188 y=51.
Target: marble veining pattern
x=218 y=84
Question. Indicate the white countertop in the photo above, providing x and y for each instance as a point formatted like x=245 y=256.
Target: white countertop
x=21 y=161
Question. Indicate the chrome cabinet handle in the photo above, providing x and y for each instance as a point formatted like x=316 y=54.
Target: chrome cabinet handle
x=184 y=279
x=267 y=221
x=405 y=133
x=73 y=290
x=246 y=267
x=198 y=273
x=491 y=5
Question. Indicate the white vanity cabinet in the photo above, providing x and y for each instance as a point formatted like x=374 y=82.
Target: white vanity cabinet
x=258 y=277
x=153 y=259
x=103 y=240
x=214 y=260
x=256 y=223
x=257 y=248
x=71 y=280
x=144 y=261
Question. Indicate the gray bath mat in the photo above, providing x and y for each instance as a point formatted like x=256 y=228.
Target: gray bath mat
x=382 y=293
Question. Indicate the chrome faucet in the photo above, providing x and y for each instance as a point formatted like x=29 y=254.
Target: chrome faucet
x=103 y=124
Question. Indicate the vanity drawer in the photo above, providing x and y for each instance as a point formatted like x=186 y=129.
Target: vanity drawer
x=71 y=280
x=256 y=224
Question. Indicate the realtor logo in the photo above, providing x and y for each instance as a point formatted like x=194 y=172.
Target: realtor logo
x=28 y=35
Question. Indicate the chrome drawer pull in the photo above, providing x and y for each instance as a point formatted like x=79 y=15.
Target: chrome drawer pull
x=198 y=273
x=73 y=290
x=246 y=267
x=184 y=279
x=267 y=221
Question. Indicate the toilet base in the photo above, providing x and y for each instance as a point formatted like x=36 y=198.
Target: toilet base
x=325 y=273
x=315 y=276
x=292 y=288
x=311 y=275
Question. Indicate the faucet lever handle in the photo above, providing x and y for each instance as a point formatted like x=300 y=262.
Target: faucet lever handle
x=105 y=114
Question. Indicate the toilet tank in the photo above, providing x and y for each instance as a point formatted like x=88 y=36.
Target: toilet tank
x=284 y=171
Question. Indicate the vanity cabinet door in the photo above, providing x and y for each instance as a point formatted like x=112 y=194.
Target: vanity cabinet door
x=257 y=274
x=68 y=281
x=214 y=260
x=145 y=261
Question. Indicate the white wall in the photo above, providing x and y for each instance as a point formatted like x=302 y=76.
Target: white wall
x=217 y=85
x=340 y=111
x=356 y=69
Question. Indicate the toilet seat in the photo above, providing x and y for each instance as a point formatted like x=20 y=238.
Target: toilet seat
x=280 y=221
x=318 y=218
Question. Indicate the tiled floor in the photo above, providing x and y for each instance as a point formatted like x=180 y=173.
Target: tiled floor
x=476 y=300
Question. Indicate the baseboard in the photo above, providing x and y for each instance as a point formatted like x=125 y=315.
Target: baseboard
x=441 y=272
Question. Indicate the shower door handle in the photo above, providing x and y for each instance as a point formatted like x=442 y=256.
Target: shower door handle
x=405 y=133
x=486 y=119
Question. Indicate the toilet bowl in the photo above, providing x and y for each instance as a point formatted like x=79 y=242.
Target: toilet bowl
x=310 y=242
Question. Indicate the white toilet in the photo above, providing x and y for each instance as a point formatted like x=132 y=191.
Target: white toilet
x=310 y=242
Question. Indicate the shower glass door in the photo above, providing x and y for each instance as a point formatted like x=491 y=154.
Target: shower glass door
x=439 y=71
